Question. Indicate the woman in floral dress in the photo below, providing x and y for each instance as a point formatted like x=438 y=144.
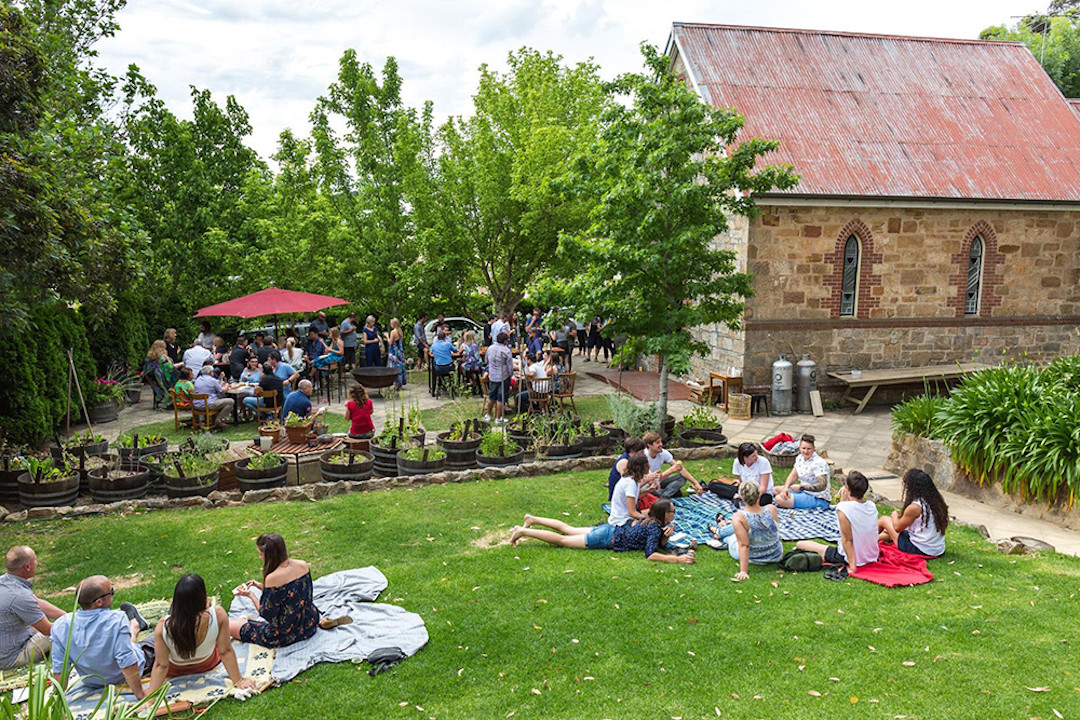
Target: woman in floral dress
x=287 y=612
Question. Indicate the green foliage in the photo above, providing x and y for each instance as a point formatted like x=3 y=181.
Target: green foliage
x=1013 y=424
x=556 y=429
x=702 y=416
x=190 y=464
x=667 y=171
x=294 y=420
x=416 y=452
x=1059 y=54
x=494 y=443
x=203 y=443
x=42 y=469
x=265 y=462
x=916 y=415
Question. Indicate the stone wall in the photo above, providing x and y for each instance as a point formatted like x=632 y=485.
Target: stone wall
x=727 y=346
x=909 y=310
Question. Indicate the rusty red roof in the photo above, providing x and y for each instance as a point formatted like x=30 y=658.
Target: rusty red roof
x=1075 y=104
x=887 y=116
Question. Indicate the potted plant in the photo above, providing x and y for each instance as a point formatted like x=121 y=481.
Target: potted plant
x=156 y=464
x=112 y=479
x=496 y=450
x=594 y=440
x=80 y=444
x=557 y=438
x=297 y=428
x=261 y=472
x=11 y=467
x=204 y=443
x=341 y=465
x=189 y=475
x=460 y=443
x=521 y=430
x=420 y=460
x=270 y=429
x=46 y=484
x=134 y=446
x=701 y=428
x=103 y=399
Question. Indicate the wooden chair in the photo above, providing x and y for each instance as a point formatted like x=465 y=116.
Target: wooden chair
x=565 y=390
x=201 y=415
x=539 y=399
x=269 y=404
x=180 y=401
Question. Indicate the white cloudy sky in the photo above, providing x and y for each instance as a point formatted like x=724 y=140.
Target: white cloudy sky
x=278 y=56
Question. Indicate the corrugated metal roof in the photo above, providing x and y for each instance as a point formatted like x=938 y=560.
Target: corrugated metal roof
x=888 y=116
x=1075 y=103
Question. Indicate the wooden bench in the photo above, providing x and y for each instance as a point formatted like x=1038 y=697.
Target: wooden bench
x=873 y=379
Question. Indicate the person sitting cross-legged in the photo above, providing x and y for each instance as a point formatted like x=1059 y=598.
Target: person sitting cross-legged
x=101 y=643
x=669 y=481
x=24 y=618
x=858 y=527
x=753 y=535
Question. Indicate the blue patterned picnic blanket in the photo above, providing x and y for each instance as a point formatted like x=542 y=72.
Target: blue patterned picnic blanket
x=695 y=512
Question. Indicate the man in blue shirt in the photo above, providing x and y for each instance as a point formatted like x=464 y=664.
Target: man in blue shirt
x=298 y=402
x=102 y=641
x=285 y=371
x=535 y=344
x=442 y=354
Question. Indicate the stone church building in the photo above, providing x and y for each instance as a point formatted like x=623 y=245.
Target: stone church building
x=937 y=216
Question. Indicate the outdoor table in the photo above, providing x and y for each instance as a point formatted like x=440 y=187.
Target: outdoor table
x=729 y=385
x=299 y=452
x=236 y=394
x=873 y=379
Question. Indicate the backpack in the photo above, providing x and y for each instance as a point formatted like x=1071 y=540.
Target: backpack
x=801 y=561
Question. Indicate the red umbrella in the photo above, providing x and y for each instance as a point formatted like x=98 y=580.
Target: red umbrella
x=271 y=301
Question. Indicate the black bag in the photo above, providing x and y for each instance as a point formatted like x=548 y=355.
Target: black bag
x=801 y=561
x=724 y=490
x=384 y=659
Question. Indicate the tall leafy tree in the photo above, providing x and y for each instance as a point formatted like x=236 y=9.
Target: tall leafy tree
x=668 y=172
x=1053 y=39
x=503 y=208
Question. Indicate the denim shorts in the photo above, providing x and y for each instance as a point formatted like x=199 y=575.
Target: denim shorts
x=806 y=501
x=601 y=537
x=498 y=391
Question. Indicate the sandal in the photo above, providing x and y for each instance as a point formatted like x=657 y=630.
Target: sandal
x=836 y=573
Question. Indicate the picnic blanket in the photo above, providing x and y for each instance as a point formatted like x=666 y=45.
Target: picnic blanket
x=201 y=690
x=695 y=512
x=374 y=625
x=895 y=568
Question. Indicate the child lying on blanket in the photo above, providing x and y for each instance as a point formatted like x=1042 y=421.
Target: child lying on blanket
x=193 y=638
x=649 y=535
x=920 y=528
x=858 y=528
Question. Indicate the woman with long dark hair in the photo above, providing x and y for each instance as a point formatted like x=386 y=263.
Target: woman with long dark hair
x=749 y=466
x=920 y=528
x=193 y=638
x=287 y=612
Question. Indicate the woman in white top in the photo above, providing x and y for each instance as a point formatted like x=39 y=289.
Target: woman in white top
x=293 y=355
x=751 y=467
x=920 y=528
x=193 y=638
x=807 y=486
x=857 y=518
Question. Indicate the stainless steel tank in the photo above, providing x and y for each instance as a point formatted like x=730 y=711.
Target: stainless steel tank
x=781 y=387
x=805 y=383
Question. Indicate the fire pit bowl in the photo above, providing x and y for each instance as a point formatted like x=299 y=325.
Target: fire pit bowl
x=375 y=377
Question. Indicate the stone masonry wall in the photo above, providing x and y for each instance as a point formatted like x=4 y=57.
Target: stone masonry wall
x=728 y=347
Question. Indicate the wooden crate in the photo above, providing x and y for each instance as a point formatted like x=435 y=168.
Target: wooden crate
x=703 y=396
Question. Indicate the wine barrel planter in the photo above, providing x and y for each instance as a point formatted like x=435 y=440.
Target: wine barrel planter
x=64 y=491
x=106 y=490
x=419 y=467
x=594 y=441
x=385 y=460
x=9 y=485
x=680 y=429
x=559 y=452
x=128 y=454
x=363 y=464
x=191 y=486
x=78 y=451
x=460 y=454
x=155 y=463
x=617 y=433
x=133 y=395
x=249 y=479
x=669 y=426
x=500 y=461
x=104 y=412
x=701 y=438
x=298 y=433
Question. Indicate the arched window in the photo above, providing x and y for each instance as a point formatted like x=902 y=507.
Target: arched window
x=974 y=277
x=849 y=286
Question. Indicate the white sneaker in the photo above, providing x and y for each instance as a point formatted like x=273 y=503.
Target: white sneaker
x=487 y=418
x=502 y=421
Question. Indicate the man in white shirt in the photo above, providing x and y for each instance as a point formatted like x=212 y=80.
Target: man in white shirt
x=667 y=483
x=196 y=356
x=501 y=325
x=858 y=528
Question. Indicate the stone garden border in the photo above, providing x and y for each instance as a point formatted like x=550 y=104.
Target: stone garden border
x=313 y=492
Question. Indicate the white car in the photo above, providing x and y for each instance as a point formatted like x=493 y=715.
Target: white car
x=458 y=326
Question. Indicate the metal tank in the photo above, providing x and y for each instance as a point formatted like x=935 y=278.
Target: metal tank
x=805 y=383
x=781 y=387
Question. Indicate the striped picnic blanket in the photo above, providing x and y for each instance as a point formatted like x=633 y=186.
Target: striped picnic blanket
x=694 y=512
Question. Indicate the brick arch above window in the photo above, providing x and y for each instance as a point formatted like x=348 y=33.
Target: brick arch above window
x=865 y=299
x=992 y=277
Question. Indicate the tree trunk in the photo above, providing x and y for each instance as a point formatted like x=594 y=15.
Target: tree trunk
x=661 y=402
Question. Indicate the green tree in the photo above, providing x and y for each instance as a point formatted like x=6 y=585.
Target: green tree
x=498 y=174
x=668 y=172
x=1058 y=49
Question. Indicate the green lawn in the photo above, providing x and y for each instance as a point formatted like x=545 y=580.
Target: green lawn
x=537 y=631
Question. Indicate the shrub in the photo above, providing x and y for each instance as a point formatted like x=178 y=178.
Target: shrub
x=916 y=415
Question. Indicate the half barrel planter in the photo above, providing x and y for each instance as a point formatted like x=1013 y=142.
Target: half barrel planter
x=104 y=412
x=159 y=445
x=105 y=487
x=594 y=441
x=496 y=461
x=385 y=459
x=360 y=466
x=419 y=467
x=264 y=479
x=559 y=452
x=192 y=485
x=9 y=486
x=701 y=438
x=460 y=454
x=57 y=493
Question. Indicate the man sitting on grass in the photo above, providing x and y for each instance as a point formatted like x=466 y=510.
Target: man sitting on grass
x=102 y=646
x=858 y=528
x=24 y=618
x=670 y=481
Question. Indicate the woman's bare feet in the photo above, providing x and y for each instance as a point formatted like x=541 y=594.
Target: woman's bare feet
x=516 y=534
x=529 y=519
